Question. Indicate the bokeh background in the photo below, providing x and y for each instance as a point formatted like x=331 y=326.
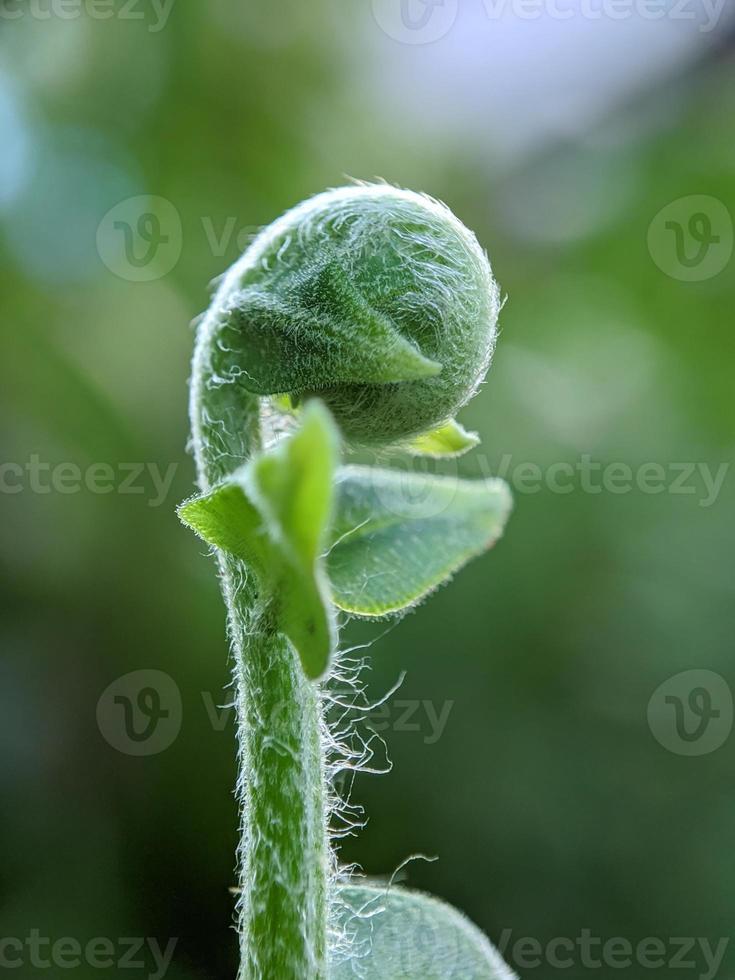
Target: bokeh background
x=560 y=796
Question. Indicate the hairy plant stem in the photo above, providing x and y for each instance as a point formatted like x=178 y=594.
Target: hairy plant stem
x=284 y=853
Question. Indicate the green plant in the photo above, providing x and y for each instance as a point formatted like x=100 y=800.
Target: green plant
x=365 y=316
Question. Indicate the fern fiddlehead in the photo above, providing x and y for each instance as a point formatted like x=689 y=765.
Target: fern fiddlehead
x=374 y=310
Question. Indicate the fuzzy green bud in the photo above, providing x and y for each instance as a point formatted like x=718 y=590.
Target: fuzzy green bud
x=377 y=299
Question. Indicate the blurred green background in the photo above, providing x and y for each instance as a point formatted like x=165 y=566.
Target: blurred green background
x=556 y=797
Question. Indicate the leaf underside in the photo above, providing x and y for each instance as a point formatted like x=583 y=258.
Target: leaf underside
x=403 y=935
x=399 y=535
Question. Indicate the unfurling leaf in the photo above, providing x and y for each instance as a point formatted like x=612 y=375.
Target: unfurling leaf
x=399 y=535
x=392 y=934
x=450 y=439
x=310 y=328
x=274 y=513
x=374 y=298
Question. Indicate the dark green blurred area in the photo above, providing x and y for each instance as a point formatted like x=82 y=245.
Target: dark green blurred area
x=548 y=800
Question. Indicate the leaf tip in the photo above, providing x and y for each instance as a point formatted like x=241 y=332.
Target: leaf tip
x=445 y=442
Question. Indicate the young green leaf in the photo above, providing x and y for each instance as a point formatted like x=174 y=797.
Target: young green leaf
x=292 y=488
x=274 y=513
x=398 y=535
x=226 y=519
x=450 y=439
x=401 y=935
